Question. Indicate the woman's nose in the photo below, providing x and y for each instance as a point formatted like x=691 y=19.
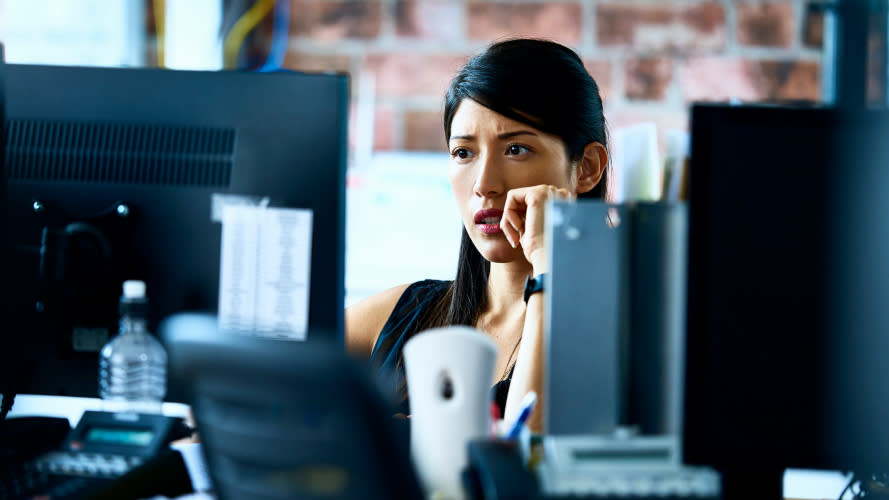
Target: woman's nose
x=488 y=180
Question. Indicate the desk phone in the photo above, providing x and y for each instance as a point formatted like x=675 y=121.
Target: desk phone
x=103 y=448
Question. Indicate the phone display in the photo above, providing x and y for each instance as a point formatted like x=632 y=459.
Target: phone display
x=128 y=437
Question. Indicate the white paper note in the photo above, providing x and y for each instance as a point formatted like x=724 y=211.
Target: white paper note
x=265 y=267
x=637 y=168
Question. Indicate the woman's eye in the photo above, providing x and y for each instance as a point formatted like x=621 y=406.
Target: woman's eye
x=516 y=149
x=460 y=153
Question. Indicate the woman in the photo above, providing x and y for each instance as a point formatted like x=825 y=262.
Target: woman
x=524 y=124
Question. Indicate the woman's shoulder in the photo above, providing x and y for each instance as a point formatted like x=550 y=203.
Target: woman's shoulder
x=426 y=289
x=367 y=318
x=405 y=299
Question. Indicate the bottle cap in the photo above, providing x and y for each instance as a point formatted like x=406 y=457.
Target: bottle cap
x=133 y=289
x=133 y=302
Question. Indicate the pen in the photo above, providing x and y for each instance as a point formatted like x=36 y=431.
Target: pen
x=527 y=405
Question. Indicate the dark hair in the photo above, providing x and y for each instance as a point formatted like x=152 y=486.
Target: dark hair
x=542 y=84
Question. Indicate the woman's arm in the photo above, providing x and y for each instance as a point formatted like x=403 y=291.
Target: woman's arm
x=528 y=374
x=366 y=318
x=523 y=224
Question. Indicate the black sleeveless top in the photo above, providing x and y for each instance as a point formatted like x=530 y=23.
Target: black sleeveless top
x=410 y=311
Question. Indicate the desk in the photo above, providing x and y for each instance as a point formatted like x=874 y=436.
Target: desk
x=798 y=484
x=27 y=405
x=808 y=484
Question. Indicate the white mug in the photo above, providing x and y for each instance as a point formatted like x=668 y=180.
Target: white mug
x=449 y=373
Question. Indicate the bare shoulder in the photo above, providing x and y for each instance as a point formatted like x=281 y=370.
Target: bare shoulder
x=365 y=319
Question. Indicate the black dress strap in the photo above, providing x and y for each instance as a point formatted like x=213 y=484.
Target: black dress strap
x=405 y=321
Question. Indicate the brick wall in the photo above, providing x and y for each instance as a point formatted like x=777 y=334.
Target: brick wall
x=650 y=57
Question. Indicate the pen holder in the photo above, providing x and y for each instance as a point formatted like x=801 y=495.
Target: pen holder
x=449 y=372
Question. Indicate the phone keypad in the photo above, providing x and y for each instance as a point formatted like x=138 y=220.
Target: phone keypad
x=87 y=464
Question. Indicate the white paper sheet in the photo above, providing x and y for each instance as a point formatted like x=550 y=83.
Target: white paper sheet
x=264 y=277
x=637 y=169
x=195 y=464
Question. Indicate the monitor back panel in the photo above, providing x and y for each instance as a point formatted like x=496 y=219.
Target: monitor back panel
x=84 y=141
x=783 y=280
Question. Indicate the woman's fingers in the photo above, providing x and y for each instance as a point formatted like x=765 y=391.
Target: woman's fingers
x=513 y=221
x=523 y=218
x=514 y=215
x=511 y=231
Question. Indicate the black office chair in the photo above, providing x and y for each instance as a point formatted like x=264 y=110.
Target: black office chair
x=280 y=419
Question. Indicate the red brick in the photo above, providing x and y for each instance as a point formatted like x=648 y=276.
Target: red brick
x=782 y=80
x=661 y=27
x=712 y=78
x=412 y=74
x=384 y=128
x=716 y=79
x=648 y=79
x=302 y=61
x=765 y=24
x=601 y=71
x=489 y=21
x=705 y=17
x=435 y=20
x=813 y=30
x=335 y=20
x=423 y=131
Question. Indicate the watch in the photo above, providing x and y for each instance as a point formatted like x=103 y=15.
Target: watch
x=533 y=285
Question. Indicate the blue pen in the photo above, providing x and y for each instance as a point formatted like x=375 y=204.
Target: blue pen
x=527 y=405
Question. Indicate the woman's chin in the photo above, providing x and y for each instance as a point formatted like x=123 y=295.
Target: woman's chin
x=501 y=254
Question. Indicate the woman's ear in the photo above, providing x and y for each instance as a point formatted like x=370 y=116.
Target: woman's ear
x=591 y=167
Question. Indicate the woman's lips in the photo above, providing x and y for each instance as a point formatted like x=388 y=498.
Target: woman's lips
x=488 y=220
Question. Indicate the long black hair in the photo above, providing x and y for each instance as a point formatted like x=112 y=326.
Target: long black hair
x=542 y=84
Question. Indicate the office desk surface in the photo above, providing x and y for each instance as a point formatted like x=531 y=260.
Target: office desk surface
x=28 y=405
x=798 y=484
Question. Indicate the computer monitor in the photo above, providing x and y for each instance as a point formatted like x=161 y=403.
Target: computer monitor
x=111 y=176
x=788 y=282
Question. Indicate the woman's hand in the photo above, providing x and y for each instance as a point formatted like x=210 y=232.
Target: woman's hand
x=522 y=221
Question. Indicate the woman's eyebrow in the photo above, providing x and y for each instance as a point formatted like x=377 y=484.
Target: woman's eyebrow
x=463 y=137
x=504 y=135
x=509 y=135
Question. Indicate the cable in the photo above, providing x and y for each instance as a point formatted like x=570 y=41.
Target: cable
x=160 y=28
x=180 y=430
x=848 y=485
x=233 y=11
x=242 y=27
x=280 y=37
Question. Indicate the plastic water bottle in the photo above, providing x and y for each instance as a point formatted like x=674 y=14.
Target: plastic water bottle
x=133 y=364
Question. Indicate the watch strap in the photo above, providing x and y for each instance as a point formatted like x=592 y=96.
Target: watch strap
x=533 y=285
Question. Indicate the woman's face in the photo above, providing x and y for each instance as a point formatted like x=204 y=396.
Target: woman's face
x=491 y=154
